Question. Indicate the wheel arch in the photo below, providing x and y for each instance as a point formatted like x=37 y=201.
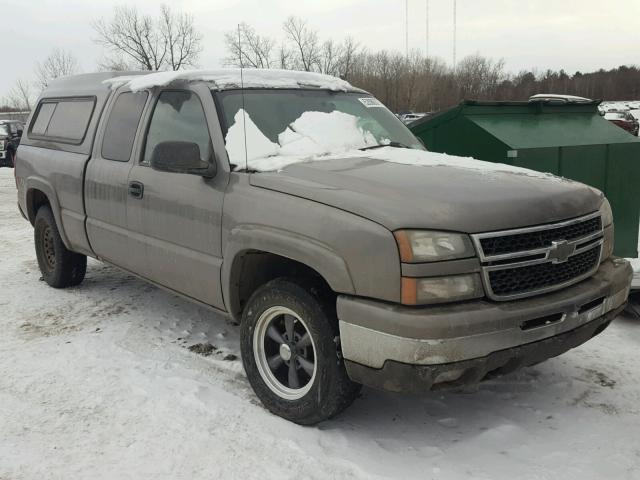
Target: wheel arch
x=39 y=193
x=256 y=255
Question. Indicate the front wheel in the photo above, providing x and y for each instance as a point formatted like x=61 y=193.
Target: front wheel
x=290 y=351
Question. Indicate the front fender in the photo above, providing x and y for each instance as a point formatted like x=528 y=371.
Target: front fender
x=294 y=246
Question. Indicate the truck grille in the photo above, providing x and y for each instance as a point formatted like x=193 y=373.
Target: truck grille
x=534 y=277
x=539 y=239
x=530 y=261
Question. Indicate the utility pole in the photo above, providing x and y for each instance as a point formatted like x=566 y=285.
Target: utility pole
x=406 y=28
x=455 y=19
x=426 y=46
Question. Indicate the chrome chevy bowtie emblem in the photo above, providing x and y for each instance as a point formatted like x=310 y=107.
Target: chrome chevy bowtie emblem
x=560 y=251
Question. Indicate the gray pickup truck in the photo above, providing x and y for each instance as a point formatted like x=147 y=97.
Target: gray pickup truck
x=305 y=210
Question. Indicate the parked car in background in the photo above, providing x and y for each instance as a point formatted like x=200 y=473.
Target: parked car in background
x=624 y=120
x=10 y=135
x=380 y=264
x=409 y=117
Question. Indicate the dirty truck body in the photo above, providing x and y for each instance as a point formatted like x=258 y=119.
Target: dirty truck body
x=342 y=272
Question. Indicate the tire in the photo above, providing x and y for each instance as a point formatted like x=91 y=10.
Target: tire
x=633 y=305
x=12 y=158
x=60 y=267
x=323 y=389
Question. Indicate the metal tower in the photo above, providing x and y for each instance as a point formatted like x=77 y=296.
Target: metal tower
x=454 y=31
x=406 y=28
x=426 y=45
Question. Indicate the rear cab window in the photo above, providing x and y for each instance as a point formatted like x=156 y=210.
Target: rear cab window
x=65 y=119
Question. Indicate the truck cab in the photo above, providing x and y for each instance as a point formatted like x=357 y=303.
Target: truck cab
x=303 y=209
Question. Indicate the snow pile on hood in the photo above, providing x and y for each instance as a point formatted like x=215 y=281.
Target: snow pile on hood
x=313 y=135
x=227 y=78
x=319 y=136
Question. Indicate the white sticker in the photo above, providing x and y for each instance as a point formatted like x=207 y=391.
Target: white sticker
x=371 y=102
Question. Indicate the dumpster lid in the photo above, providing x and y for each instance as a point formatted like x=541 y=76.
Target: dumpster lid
x=521 y=125
x=551 y=130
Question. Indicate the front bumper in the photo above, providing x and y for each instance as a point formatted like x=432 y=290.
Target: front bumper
x=381 y=341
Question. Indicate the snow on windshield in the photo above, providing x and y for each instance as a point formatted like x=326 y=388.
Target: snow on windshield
x=329 y=136
x=312 y=135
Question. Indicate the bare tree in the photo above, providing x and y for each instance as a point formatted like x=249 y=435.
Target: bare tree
x=133 y=35
x=330 y=58
x=304 y=42
x=349 y=52
x=248 y=49
x=285 y=57
x=478 y=76
x=58 y=64
x=300 y=50
x=169 y=42
x=183 y=41
x=21 y=96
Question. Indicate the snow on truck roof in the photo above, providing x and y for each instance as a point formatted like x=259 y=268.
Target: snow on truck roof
x=220 y=79
x=231 y=78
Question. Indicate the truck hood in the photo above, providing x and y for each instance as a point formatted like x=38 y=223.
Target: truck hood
x=443 y=193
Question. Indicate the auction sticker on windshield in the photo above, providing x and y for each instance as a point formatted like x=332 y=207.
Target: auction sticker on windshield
x=371 y=102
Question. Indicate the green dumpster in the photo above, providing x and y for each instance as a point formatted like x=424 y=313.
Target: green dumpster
x=571 y=140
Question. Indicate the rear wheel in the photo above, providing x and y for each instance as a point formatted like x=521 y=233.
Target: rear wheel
x=290 y=352
x=59 y=266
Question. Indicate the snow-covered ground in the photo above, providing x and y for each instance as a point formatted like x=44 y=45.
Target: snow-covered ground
x=97 y=382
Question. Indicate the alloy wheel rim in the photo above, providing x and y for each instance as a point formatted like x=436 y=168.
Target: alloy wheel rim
x=285 y=353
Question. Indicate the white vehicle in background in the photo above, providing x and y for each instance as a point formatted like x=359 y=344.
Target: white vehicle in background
x=407 y=118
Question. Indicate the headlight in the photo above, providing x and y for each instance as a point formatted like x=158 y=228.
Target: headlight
x=417 y=246
x=420 y=291
x=607 y=224
x=605 y=212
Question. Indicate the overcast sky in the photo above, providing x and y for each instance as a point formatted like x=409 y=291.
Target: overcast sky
x=572 y=34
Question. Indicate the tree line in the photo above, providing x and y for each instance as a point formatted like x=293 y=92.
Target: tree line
x=413 y=82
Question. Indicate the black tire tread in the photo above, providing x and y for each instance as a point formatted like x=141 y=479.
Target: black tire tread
x=71 y=267
x=334 y=391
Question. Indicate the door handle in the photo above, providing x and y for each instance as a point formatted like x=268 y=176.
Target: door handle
x=136 y=189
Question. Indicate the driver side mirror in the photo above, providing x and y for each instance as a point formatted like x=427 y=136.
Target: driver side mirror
x=181 y=157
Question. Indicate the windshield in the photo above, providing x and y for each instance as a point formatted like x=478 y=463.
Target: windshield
x=4 y=130
x=290 y=126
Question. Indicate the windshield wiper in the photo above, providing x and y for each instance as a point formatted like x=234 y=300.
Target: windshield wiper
x=390 y=144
